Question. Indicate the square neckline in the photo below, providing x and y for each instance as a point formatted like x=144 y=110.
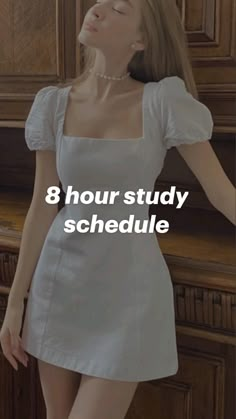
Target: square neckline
x=137 y=139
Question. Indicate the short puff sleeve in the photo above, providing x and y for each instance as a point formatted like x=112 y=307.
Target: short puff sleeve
x=39 y=125
x=184 y=119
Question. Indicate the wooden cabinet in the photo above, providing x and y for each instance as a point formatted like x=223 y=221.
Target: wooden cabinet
x=40 y=48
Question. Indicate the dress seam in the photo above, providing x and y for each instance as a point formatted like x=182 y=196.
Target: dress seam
x=50 y=297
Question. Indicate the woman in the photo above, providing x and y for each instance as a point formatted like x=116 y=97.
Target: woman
x=101 y=306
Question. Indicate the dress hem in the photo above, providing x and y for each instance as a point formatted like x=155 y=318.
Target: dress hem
x=71 y=362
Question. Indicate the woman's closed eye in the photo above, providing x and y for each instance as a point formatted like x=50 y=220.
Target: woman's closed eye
x=118 y=11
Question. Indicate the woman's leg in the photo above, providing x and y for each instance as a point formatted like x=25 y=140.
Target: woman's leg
x=100 y=398
x=59 y=387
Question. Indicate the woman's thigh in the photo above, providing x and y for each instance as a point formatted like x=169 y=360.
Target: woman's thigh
x=100 y=398
x=59 y=387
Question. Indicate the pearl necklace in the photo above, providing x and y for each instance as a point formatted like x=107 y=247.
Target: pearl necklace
x=110 y=77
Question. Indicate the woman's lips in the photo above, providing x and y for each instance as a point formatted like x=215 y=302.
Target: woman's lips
x=90 y=27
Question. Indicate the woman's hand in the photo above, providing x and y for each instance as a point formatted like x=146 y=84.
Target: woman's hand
x=9 y=335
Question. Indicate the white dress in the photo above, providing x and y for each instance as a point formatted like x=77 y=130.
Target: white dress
x=102 y=303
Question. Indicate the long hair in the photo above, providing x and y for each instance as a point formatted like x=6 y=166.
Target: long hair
x=166 y=50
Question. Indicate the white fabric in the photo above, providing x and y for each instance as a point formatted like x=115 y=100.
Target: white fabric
x=185 y=120
x=39 y=131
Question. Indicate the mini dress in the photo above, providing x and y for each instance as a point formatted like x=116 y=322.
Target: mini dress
x=102 y=304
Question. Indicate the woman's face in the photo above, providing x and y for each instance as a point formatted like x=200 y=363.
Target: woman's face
x=116 y=23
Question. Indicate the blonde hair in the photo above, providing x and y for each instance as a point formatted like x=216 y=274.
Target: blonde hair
x=166 y=50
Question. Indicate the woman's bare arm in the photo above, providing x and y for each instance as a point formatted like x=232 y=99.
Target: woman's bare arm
x=203 y=162
x=37 y=223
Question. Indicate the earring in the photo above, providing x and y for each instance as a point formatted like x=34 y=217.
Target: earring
x=133 y=46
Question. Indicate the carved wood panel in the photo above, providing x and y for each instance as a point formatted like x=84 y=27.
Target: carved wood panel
x=41 y=48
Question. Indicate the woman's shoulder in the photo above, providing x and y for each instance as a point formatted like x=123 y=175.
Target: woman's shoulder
x=170 y=84
x=47 y=92
x=39 y=132
x=184 y=119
